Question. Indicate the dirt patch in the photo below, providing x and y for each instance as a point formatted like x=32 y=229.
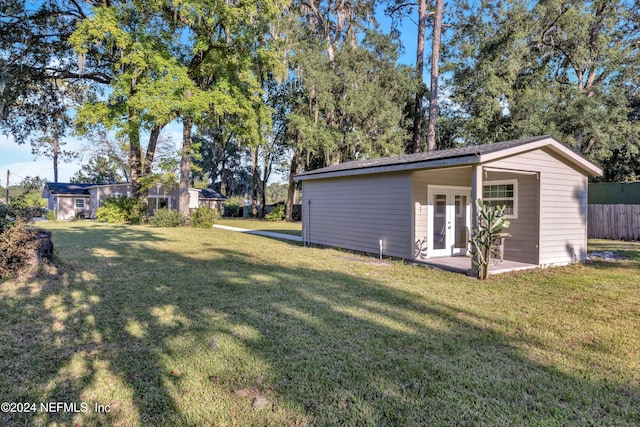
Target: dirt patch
x=363 y=259
x=606 y=256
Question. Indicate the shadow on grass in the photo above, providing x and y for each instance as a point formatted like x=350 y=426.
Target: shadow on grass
x=167 y=338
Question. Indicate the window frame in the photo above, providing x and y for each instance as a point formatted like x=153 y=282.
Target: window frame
x=78 y=199
x=513 y=182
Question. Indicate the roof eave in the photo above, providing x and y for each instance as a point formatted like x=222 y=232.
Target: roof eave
x=553 y=144
x=426 y=164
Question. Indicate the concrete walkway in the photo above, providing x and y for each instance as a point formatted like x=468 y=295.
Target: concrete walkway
x=260 y=233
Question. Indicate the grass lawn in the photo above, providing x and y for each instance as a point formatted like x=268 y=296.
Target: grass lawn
x=294 y=228
x=210 y=327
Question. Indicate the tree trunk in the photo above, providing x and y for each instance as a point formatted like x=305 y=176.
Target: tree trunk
x=185 y=166
x=291 y=191
x=56 y=149
x=135 y=163
x=148 y=158
x=435 y=72
x=151 y=150
x=417 y=124
x=255 y=179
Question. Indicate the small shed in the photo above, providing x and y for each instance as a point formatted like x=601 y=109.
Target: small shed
x=420 y=206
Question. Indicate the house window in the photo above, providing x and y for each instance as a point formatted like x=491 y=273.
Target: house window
x=79 y=203
x=502 y=193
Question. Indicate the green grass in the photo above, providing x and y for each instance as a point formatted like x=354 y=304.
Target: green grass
x=293 y=228
x=186 y=327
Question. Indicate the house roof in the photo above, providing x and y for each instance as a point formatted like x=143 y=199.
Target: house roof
x=467 y=155
x=208 y=193
x=68 y=188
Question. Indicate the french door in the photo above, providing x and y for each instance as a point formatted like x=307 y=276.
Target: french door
x=449 y=220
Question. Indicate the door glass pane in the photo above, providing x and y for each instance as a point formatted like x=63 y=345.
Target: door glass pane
x=439 y=221
x=461 y=222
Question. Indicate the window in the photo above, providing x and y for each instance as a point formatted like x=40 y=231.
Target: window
x=79 y=203
x=502 y=193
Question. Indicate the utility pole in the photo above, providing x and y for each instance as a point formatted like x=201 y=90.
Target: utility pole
x=6 y=193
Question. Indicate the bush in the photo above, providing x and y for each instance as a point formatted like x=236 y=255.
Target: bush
x=233 y=207
x=121 y=210
x=276 y=214
x=51 y=216
x=204 y=217
x=166 y=218
x=17 y=246
x=5 y=218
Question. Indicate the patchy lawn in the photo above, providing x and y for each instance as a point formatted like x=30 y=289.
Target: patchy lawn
x=210 y=327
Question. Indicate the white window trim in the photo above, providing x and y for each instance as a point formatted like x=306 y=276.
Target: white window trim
x=75 y=203
x=157 y=198
x=514 y=182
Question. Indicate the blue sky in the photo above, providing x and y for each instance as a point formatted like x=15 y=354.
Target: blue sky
x=19 y=160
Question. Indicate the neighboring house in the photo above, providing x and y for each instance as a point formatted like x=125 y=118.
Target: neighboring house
x=212 y=199
x=420 y=206
x=70 y=201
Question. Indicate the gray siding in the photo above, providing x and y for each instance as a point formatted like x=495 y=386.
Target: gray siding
x=106 y=191
x=458 y=177
x=563 y=205
x=67 y=208
x=356 y=212
x=522 y=246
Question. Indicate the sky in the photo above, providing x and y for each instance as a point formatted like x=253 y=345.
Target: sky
x=21 y=163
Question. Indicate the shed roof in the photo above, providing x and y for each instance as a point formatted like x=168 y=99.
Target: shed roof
x=453 y=157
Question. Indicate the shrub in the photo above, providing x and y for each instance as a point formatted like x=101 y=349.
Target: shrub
x=276 y=214
x=120 y=210
x=204 y=217
x=51 y=216
x=166 y=218
x=233 y=206
x=17 y=246
x=5 y=218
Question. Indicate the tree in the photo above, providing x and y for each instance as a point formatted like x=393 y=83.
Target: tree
x=526 y=69
x=435 y=73
x=99 y=170
x=35 y=57
x=147 y=83
x=223 y=160
x=417 y=120
x=398 y=10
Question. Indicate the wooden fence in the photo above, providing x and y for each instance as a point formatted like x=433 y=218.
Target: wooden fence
x=618 y=222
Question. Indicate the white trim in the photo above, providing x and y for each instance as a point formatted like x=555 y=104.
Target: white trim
x=75 y=203
x=554 y=145
x=513 y=171
x=513 y=182
x=450 y=210
x=158 y=197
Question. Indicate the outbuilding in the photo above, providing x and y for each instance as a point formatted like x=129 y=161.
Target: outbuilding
x=420 y=206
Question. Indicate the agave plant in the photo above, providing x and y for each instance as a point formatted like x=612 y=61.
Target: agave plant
x=491 y=221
